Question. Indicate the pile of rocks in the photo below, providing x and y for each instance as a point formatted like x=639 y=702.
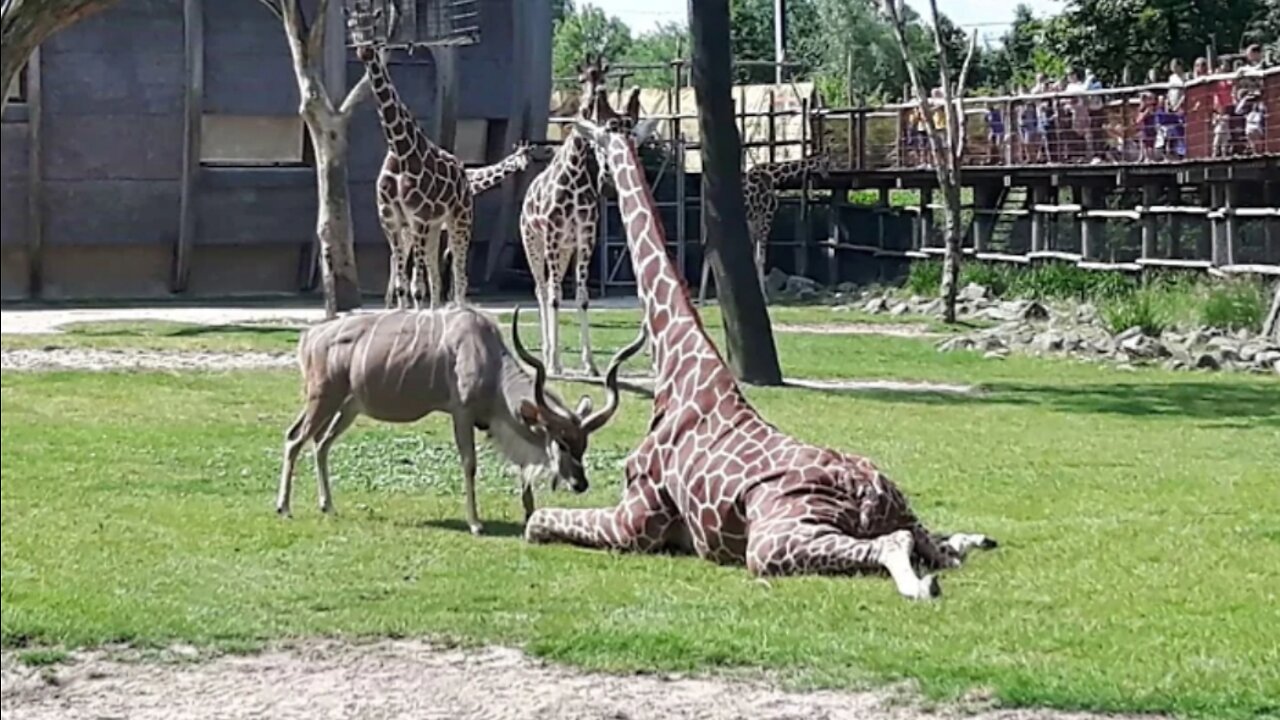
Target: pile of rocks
x=1031 y=327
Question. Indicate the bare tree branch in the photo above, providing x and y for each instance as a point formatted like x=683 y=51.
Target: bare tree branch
x=315 y=38
x=25 y=24
x=357 y=95
x=274 y=7
x=961 y=84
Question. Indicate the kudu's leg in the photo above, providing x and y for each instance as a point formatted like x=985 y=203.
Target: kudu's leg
x=464 y=434
x=341 y=421
x=294 y=439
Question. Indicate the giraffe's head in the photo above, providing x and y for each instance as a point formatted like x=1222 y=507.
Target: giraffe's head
x=565 y=433
x=364 y=20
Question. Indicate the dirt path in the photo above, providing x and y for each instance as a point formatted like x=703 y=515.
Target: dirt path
x=411 y=679
x=52 y=320
x=39 y=360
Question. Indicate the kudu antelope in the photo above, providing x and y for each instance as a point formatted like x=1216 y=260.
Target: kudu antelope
x=401 y=365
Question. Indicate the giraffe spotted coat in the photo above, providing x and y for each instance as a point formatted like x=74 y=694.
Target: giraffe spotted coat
x=422 y=189
x=712 y=476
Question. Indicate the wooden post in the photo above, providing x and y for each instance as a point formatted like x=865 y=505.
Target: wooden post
x=882 y=202
x=1204 y=241
x=1230 y=226
x=1150 y=221
x=1271 y=228
x=773 y=129
x=804 y=232
x=1218 y=240
x=193 y=61
x=35 y=178
x=862 y=140
x=1174 y=197
x=835 y=232
x=926 y=217
x=1092 y=237
x=1039 y=226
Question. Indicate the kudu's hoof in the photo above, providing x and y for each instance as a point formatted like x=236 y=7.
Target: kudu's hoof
x=476 y=529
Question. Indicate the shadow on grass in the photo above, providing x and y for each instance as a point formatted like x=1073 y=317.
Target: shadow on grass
x=1235 y=405
x=492 y=528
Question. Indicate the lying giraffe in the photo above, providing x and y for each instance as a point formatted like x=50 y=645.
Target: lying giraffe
x=714 y=477
x=760 y=193
x=422 y=188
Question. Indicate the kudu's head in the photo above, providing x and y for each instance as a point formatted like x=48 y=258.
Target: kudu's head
x=566 y=432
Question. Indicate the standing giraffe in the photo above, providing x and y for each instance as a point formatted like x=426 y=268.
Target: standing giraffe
x=422 y=188
x=560 y=214
x=715 y=477
x=760 y=193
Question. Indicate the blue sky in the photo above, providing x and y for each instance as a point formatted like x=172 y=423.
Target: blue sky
x=989 y=16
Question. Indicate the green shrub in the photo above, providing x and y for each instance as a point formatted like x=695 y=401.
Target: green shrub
x=996 y=278
x=1141 y=309
x=925 y=278
x=1233 y=306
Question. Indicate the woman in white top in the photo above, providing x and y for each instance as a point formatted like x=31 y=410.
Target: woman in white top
x=1177 y=81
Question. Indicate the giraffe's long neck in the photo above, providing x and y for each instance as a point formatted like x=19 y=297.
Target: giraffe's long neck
x=490 y=176
x=398 y=124
x=674 y=326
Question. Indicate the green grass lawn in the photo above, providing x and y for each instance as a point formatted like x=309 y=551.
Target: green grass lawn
x=1138 y=512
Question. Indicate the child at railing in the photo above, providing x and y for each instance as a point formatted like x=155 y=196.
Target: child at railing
x=1048 y=125
x=1254 y=111
x=1028 y=132
x=1223 y=108
x=995 y=135
x=1145 y=122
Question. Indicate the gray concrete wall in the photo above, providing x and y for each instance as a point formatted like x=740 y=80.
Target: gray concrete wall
x=112 y=138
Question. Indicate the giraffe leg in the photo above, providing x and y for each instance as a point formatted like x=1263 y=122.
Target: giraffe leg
x=392 y=228
x=586 y=237
x=645 y=521
x=459 y=247
x=790 y=546
x=555 y=291
x=428 y=250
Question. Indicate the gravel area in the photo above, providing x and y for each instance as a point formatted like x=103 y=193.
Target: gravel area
x=318 y=680
x=90 y=359
x=911 y=330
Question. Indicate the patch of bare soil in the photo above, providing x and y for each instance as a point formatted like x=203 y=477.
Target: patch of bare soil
x=90 y=359
x=914 y=330
x=412 y=679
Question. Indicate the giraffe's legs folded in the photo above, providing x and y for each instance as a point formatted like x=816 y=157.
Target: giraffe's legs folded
x=642 y=522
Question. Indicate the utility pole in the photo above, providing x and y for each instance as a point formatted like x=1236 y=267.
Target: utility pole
x=779 y=39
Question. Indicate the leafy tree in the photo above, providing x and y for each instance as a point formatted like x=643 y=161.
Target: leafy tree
x=662 y=44
x=560 y=9
x=587 y=31
x=1110 y=35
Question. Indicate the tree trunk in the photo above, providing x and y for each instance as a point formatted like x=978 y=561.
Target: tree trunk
x=334 y=229
x=951 y=258
x=749 y=341
x=28 y=23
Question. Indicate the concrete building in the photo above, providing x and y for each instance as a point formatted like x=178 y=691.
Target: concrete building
x=94 y=138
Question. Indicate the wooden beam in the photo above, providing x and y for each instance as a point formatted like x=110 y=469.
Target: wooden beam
x=35 y=178
x=1150 y=222
x=193 y=59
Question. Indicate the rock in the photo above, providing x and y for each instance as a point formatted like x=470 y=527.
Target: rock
x=996 y=354
x=847 y=287
x=900 y=309
x=959 y=342
x=842 y=308
x=798 y=285
x=973 y=292
x=933 y=307
x=1142 y=346
x=876 y=305
x=1032 y=310
x=1134 y=331
x=1086 y=314
x=1174 y=363
x=1050 y=341
x=1208 y=361
x=775 y=282
x=991 y=342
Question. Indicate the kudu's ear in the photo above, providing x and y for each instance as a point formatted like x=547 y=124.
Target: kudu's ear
x=644 y=129
x=632 y=108
x=584 y=406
